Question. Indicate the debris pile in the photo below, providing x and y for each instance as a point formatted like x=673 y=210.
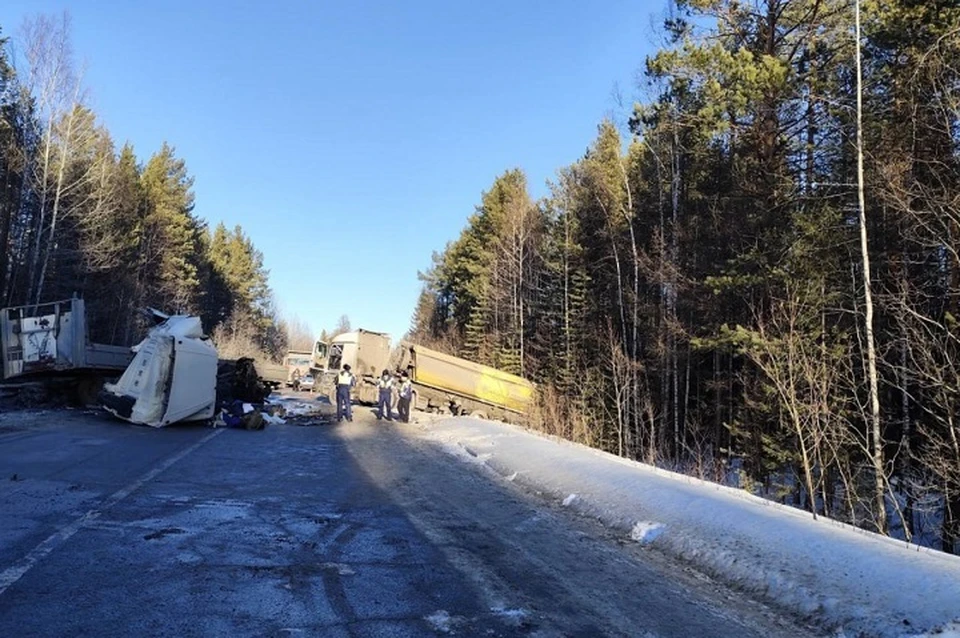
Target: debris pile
x=238 y=414
x=239 y=380
x=299 y=411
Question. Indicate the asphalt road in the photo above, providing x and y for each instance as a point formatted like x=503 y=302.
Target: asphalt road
x=356 y=529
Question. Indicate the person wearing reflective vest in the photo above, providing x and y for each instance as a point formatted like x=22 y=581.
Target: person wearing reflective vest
x=345 y=381
x=385 y=385
x=406 y=393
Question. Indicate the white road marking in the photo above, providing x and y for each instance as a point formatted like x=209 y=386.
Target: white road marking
x=15 y=572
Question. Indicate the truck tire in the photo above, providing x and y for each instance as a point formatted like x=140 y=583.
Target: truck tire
x=88 y=390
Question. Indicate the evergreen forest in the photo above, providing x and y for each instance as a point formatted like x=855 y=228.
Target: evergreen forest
x=754 y=278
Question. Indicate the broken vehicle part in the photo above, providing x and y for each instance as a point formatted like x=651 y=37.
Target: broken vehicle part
x=172 y=378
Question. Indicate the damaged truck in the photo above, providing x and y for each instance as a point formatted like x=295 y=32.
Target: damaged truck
x=173 y=376
x=367 y=353
x=441 y=382
x=444 y=383
x=47 y=350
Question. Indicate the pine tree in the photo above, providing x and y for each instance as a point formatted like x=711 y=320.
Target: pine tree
x=170 y=248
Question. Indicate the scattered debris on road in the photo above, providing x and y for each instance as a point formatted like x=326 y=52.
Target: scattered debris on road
x=240 y=380
x=294 y=410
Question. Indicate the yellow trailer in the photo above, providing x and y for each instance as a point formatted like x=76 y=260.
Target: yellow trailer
x=443 y=381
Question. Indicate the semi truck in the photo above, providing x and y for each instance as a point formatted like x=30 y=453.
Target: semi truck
x=48 y=345
x=443 y=382
x=295 y=365
x=298 y=364
x=318 y=359
x=273 y=374
x=368 y=355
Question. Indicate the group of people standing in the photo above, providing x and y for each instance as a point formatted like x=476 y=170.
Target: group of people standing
x=386 y=386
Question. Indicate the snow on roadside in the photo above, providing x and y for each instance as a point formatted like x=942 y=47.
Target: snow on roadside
x=646 y=532
x=846 y=579
x=442 y=622
x=951 y=630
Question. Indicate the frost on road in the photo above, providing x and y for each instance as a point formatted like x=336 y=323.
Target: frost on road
x=362 y=529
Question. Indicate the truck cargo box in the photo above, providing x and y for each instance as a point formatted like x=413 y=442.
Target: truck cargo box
x=52 y=338
x=472 y=382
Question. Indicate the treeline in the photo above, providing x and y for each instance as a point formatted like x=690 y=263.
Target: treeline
x=78 y=215
x=692 y=292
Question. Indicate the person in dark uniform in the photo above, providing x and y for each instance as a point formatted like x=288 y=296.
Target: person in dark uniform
x=345 y=381
x=405 y=393
x=385 y=385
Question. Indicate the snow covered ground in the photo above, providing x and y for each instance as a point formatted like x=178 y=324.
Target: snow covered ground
x=849 y=581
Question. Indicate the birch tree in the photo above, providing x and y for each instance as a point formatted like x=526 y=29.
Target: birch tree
x=56 y=89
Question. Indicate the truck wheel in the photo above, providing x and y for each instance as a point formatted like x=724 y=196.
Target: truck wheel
x=88 y=390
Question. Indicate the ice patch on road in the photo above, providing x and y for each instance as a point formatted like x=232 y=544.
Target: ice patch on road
x=189 y=558
x=646 y=531
x=950 y=630
x=465 y=453
x=340 y=568
x=567 y=502
x=442 y=621
x=513 y=617
x=223 y=509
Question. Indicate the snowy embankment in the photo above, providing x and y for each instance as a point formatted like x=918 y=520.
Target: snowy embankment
x=841 y=577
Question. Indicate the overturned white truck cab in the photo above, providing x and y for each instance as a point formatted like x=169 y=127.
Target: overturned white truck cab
x=173 y=377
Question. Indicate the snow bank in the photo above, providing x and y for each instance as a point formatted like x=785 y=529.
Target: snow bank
x=842 y=577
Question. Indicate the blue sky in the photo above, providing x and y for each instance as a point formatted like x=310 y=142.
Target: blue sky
x=350 y=140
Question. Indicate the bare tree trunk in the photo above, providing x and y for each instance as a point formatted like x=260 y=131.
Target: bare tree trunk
x=567 y=354
x=686 y=388
x=43 y=184
x=672 y=292
x=877 y=442
x=717 y=417
x=906 y=433
x=664 y=303
x=951 y=521
x=66 y=142
x=634 y=396
x=6 y=217
x=951 y=497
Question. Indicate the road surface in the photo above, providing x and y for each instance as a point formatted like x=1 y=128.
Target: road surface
x=356 y=529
